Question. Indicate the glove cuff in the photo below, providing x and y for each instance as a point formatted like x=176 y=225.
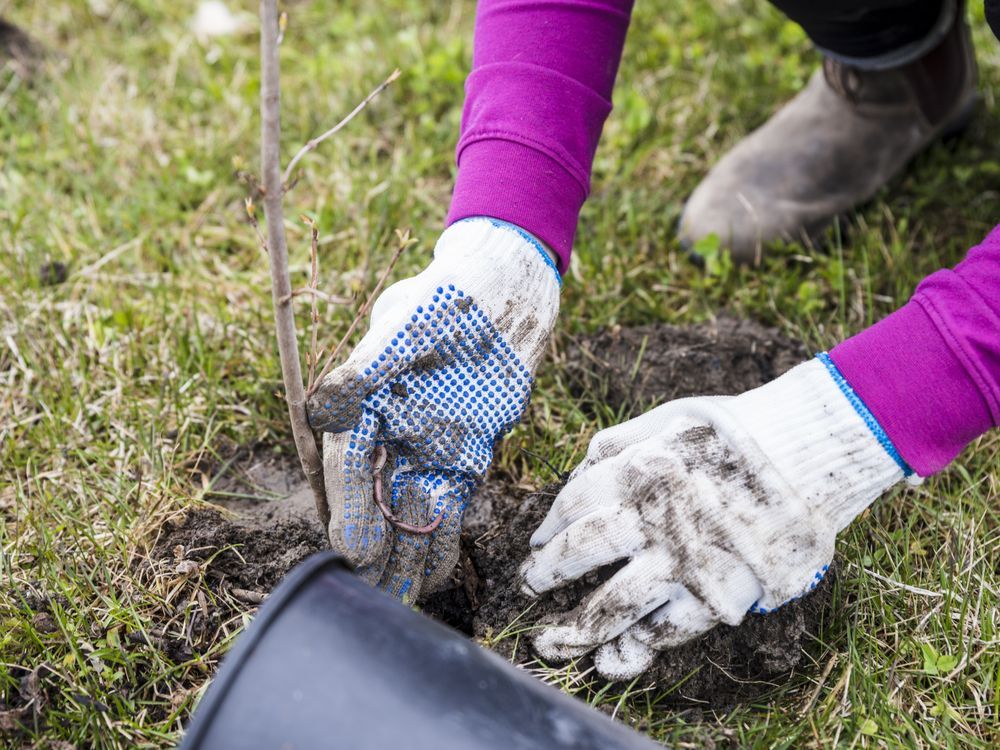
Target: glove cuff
x=496 y=241
x=821 y=439
x=508 y=274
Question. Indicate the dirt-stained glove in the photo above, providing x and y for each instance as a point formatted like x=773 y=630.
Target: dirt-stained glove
x=716 y=506
x=412 y=417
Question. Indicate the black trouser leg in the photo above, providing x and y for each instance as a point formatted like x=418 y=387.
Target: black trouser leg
x=993 y=16
x=859 y=29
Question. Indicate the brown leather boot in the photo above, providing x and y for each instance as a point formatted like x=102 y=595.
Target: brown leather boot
x=832 y=147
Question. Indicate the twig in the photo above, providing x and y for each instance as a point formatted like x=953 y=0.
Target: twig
x=313 y=284
x=311 y=145
x=305 y=290
x=404 y=242
x=248 y=596
x=281 y=287
x=252 y=216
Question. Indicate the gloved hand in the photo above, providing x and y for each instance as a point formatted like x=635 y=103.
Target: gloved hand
x=716 y=505
x=443 y=373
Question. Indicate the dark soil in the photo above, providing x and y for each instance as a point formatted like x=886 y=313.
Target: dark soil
x=644 y=365
x=230 y=559
x=272 y=527
x=52 y=273
x=243 y=555
x=266 y=526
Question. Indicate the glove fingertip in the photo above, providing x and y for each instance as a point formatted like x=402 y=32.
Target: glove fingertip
x=540 y=537
x=624 y=658
x=534 y=581
x=555 y=644
x=336 y=404
x=528 y=591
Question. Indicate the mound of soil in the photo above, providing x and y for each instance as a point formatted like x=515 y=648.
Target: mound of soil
x=644 y=365
x=265 y=526
x=271 y=525
x=246 y=555
x=223 y=562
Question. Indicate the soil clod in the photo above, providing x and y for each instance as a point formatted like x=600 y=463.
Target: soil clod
x=53 y=273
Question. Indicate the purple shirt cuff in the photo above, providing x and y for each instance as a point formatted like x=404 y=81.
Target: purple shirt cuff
x=918 y=391
x=509 y=181
x=930 y=372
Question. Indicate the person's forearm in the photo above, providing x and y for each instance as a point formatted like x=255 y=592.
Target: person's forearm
x=930 y=372
x=536 y=100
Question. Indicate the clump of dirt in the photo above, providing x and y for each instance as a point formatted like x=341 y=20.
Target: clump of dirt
x=52 y=273
x=220 y=563
x=245 y=555
x=636 y=367
x=265 y=525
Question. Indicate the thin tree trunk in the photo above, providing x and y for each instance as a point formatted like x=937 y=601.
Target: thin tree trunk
x=281 y=287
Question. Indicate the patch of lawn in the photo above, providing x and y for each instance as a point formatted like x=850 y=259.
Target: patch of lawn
x=119 y=385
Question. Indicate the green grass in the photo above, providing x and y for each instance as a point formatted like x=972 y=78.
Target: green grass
x=119 y=161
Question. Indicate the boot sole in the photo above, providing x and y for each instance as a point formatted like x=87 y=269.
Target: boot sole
x=957 y=127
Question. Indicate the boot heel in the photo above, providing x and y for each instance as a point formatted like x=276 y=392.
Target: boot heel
x=960 y=123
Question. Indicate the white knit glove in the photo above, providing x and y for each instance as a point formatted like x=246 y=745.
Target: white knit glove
x=443 y=373
x=716 y=505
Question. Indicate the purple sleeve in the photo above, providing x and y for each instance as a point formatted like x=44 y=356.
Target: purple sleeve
x=536 y=100
x=930 y=372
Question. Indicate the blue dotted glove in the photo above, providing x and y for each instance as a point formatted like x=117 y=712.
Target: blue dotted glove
x=412 y=417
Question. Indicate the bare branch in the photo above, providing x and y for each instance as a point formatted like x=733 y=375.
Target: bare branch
x=313 y=284
x=311 y=145
x=252 y=215
x=282 y=27
x=309 y=291
x=281 y=287
x=404 y=242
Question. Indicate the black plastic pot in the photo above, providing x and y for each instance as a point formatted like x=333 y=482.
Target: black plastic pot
x=330 y=662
